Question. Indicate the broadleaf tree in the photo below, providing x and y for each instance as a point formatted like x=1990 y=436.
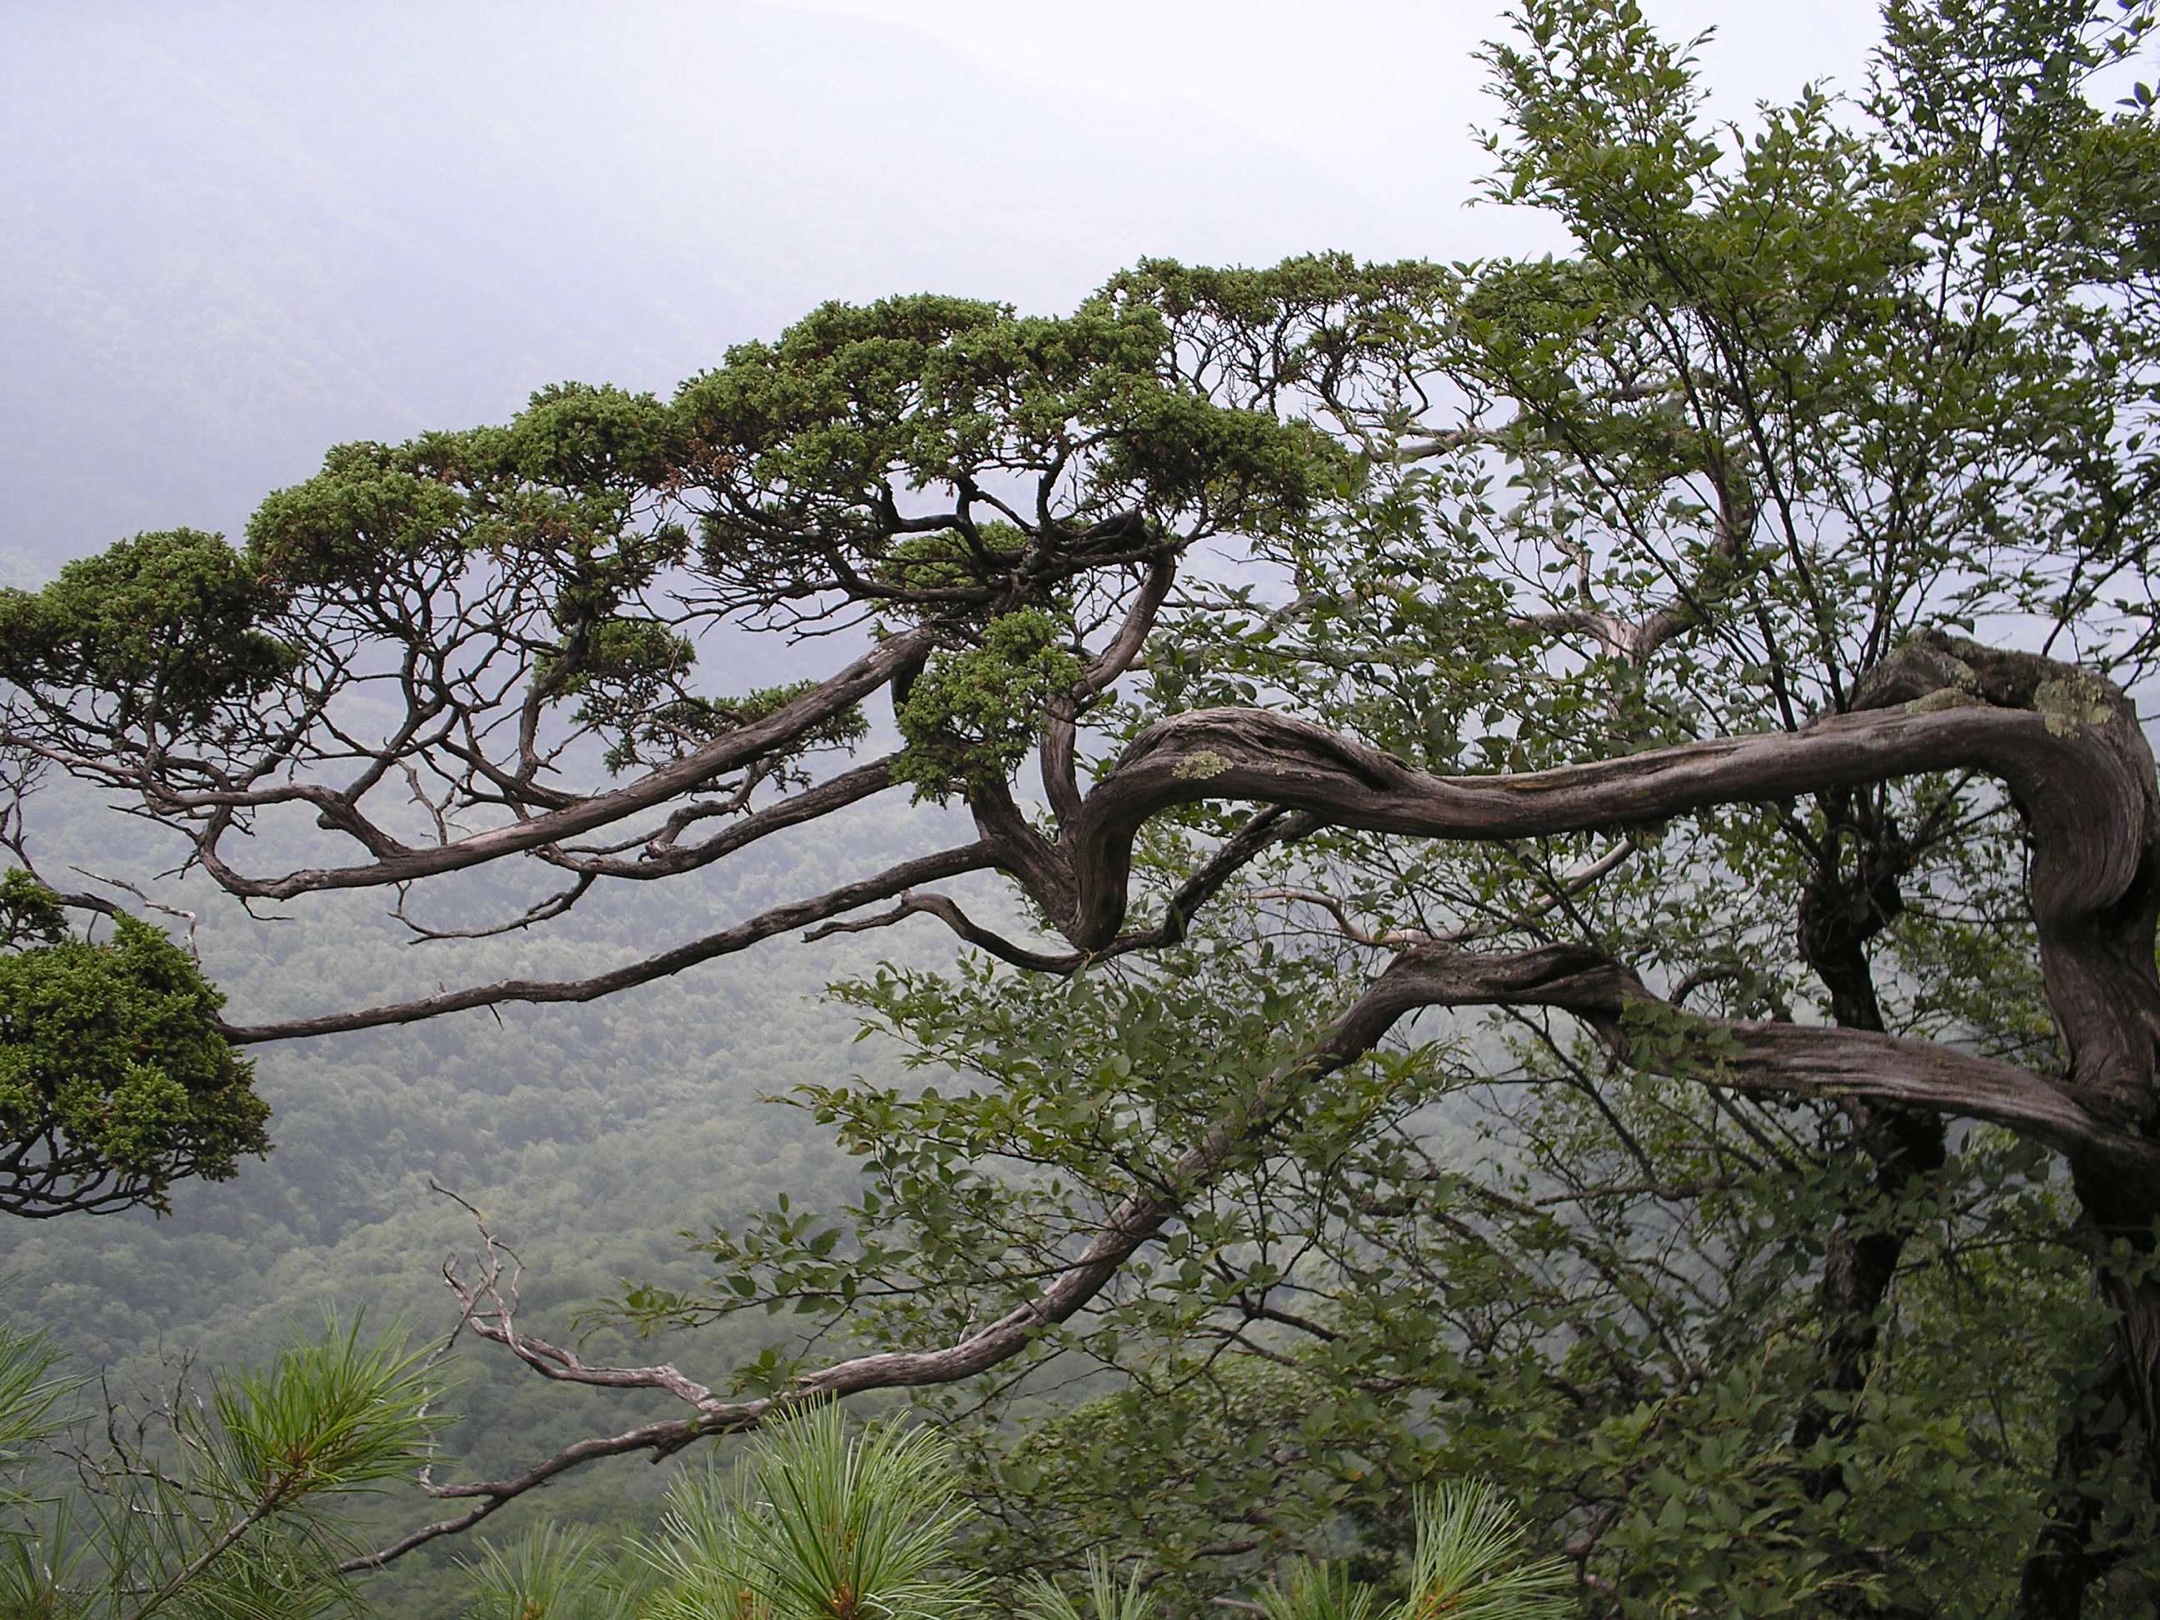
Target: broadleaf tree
x=1584 y=859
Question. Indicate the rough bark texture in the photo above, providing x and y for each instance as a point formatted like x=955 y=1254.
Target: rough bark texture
x=2067 y=747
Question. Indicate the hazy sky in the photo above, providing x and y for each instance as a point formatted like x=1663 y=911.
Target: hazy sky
x=231 y=234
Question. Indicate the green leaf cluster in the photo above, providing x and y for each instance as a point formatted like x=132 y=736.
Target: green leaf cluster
x=115 y=1079
x=166 y=627
x=971 y=715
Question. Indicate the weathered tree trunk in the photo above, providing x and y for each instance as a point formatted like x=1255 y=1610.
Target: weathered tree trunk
x=1840 y=913
x=1903 y=1148
x=2114 y=1418
x=2072 y=1553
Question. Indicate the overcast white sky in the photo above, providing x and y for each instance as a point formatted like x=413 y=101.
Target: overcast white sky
x=235 y=231
x=1378 y=94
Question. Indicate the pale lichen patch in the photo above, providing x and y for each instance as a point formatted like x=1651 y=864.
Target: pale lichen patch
x=2073 y=700
x=1200 y=766
x=1945 y=697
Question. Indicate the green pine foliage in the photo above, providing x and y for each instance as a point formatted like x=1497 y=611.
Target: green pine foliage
x=1103 y=1595
x=167 y=626
x=235 y=1502
x=971 y=716
x=115 y=1078
x=818 y=1521
x=231 y=1509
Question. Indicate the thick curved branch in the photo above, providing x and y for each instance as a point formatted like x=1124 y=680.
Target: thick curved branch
x=1775 y=1058
x=2067 y=746
x=1256 y=755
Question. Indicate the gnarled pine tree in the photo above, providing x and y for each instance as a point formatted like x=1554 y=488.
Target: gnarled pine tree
x=1710 y=651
